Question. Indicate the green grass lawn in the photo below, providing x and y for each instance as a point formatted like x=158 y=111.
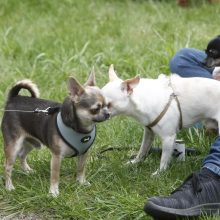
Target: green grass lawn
x=47 y=41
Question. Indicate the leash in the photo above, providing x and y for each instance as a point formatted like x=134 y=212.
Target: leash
x=47 y=111
x=160 y=116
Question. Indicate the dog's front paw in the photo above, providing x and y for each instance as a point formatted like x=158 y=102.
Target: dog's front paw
x=134 y=161
x=9 y=186
x=26 y=168
x=157 y=172
x=29 y=170
x=83 y=182
x=86 y=183
x=54 y=191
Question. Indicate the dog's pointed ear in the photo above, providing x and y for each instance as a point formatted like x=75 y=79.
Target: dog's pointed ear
x=74 y=87
x=112 y=74
x=91 y=79
x=129 y=84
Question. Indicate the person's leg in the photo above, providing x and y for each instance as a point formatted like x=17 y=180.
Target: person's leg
x=188 y=62
x=212 y=160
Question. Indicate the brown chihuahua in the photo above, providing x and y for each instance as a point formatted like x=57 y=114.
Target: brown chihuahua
x=67 y=129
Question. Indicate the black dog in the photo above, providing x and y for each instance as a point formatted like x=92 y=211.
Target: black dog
x=213 y=53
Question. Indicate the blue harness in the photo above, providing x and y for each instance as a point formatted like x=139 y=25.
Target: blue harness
x=79 y=142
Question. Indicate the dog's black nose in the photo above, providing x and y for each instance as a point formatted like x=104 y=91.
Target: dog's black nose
x=107 y=115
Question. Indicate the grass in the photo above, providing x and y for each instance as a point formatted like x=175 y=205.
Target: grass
x=47 y=41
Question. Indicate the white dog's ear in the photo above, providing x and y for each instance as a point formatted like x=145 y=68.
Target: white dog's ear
x=112 y=74
x=129 y=84
x=91 y=79
x=74 y=87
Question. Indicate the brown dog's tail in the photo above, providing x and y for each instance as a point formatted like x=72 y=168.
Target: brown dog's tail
x=24 y=84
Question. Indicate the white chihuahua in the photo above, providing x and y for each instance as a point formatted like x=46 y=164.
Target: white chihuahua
x=163 y=106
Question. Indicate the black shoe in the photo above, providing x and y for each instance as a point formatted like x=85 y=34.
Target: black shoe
x=199 y=194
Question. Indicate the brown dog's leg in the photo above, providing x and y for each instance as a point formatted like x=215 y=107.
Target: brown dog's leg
x=55 y=174
x=28 y=146
x=81 y=169
x=23 y=157
x=11 y=151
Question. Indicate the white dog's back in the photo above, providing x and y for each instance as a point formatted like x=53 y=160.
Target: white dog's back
x=199 y=98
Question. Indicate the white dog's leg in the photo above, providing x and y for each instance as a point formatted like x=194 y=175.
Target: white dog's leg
x=145 y=146
x=167 y=150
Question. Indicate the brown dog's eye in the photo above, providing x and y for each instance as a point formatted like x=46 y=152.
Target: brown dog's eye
x=95 y=110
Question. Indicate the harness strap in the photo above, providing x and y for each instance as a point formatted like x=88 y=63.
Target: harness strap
x=160 y=116
x=180 y=111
